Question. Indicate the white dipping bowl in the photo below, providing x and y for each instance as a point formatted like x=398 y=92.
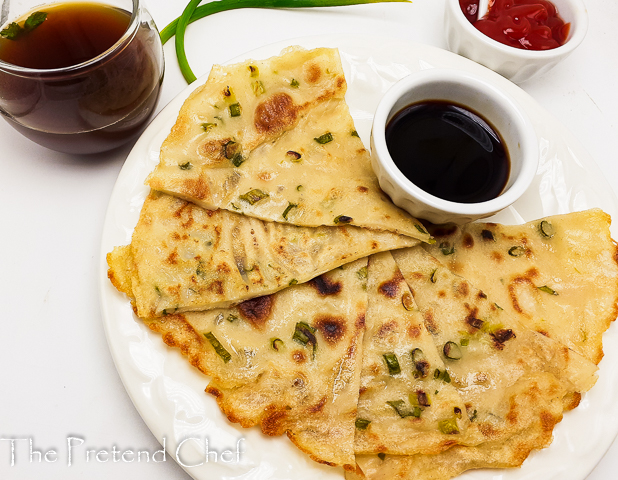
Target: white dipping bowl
x=516 y=64
x=500 y=110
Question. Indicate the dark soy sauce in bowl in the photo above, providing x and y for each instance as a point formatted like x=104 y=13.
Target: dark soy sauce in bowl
x=448 y=151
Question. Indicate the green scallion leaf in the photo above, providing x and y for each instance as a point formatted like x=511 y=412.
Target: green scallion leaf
x=546 y=289
x=324 y=139
x=287 y=209
x=221 y=351
x=192 y=13
x=254 y=196
x=361 y=423
x=392 y=363
x=186 y=166
x=235 y=110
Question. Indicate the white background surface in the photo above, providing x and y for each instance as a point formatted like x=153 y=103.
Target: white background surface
x=57 y=378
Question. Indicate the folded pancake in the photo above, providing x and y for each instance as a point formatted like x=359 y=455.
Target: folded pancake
x=404 y=407
x=558 y=275
x=501 y=453
x=514 y=382
x=183 y=257
x=285 y=151
x=288 y=362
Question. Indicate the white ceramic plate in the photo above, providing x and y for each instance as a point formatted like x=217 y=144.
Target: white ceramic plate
x=169 y=393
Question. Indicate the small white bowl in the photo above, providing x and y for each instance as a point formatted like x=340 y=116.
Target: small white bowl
x=516 y=64
x=465 y=89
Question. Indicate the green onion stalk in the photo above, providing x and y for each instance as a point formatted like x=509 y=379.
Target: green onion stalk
x=193 y=12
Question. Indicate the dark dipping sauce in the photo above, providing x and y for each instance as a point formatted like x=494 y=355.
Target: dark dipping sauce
x=90 y=107
x=448 y=151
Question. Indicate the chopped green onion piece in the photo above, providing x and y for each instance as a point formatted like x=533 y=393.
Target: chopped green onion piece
x=324 y=139
x=517 y=251
x=238 y=160
x=207 y=127
x=447 y=249
x=253 y=70
x=433 y=276
x=231 y=149
x=342 y=219
x=407 y=301
x=235 y=110
x=305 y=335
x=354 y=133
x=420 y=398
x=400 y=407
x=294 y=83
x=258 y=88
x=464 y=342
x=451 y=351
x=546 y=289
x=449 y=426
x=547 y=229
x=392 y=363
x=442 y=375
x=361 y=423
x=421 y=229
x=294 y=156
x=293 y=282
x=254 y=196
x=186 y=166
x=362 y=273
x=222 y=352
x=288 y=208
x=231 y=318
x=276 y=344
x=299 y=188
x=381 y=456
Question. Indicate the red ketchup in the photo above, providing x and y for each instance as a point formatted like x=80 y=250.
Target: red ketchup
x=526 y=24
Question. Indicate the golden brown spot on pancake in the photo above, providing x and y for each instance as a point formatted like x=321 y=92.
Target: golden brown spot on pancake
x=374 y=245
x=441 y=294
x=216 y=286
x=256 y=310
x=362 y=390
x=175 y=236
x=215 y=392
x=416 y=275
x=313 y=72
x=481 y=295
x=467 y=241
x=501 y=336
x=386 y=329
x=172 y=258
x=318 y=407
x=548 y=421
x=360 y=322
x=275 y=114
x=390 y=288
x=325 y=286
x=298 y=382
x=472 y=318
x=447 y=444
x=266 y=176
x=414 y=331
x=532 y=273
x=487 y=430
x=512 y=288
x=196 y=188
x=430 y=322
x=272 y=420
x=497 y=256
x=457 y=267
x=332 y=328
x=223 y=268
x=340 y=81
x=298 y=356
x=362 y=189
x=571 y=400
x=463 y=289
x=542 y=332
x=185 y=215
